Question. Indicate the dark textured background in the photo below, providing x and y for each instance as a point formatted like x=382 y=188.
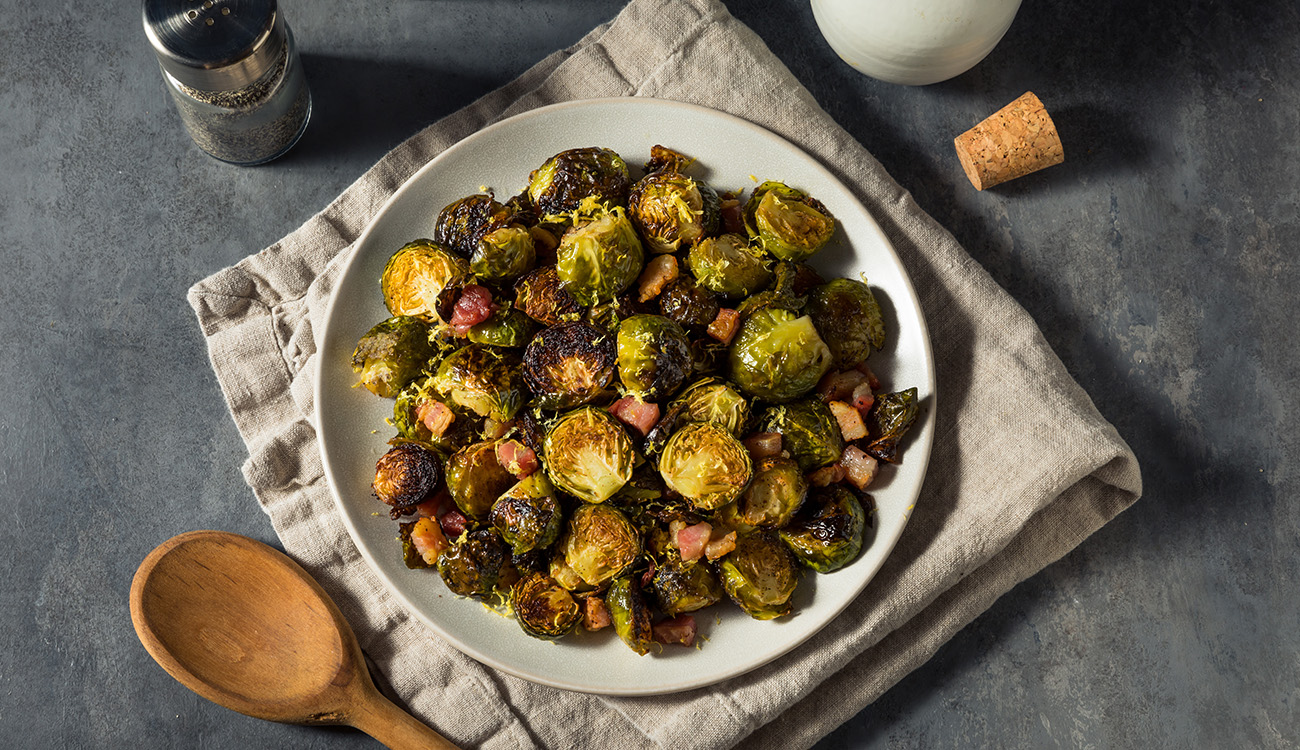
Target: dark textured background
x=1160 y=261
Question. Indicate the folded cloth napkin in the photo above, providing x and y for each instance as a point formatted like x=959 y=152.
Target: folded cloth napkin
x=1023 y=466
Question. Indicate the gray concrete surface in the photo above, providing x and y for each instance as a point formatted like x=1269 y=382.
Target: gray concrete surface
x=1160 y=261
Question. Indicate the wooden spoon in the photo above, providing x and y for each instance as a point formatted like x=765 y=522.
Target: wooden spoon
x=244 y=626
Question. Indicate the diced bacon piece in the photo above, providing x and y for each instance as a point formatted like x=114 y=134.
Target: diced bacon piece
x=635 y=413
x=437 y=506
x=692 y=540
x=453 y=524
x=763 y=444
x=865 y=369
x=859 y=468
x=435 y=415
x=838 y=386
x=826 y=475
x=474 y=306
x=661 y=270
x=595 y=615
x=680 y=629
x=850 y=419
x=863 y=398
x=516 y=458
x=732 y=221
x=428 y=540
x=723 y=328
x=720 y=545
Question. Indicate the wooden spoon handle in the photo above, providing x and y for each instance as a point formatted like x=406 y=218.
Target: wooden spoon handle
x=396 y=729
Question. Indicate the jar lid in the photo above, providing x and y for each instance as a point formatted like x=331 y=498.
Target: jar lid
x=215 y=45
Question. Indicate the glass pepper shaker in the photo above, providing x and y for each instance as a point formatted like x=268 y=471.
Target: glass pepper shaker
x=233 y=70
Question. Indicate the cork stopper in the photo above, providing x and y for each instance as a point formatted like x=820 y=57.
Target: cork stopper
x=1018 y=139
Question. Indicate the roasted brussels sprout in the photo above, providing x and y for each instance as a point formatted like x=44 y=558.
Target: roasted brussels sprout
x=544 y=608
x=708 y=357
x=410 y=555
x=473 y=565
x=654 y=356
x=416 y=275
x=569 y=364
x=848 y=318
x=705 y=464
x=589 y=454
x=759 y=575
x=684 y=587
x=809 y=432
x=730 y=266
x=506 y=328
x=712 y=400
x=778 y=355
x=414 y=404
x=392 y=354
x=462 y=223
x=779 y=294
x=476 y=479
x=599 y=543
x=406 y=476
x=561 y=184
x=528 y=516
x=672 y=211
x=687 y=303
x=830 y=536
x=504 y=253
x=892 y=416
x=778 y=489
x=630 y=614
x=542 y=297
x=788 y=223
x=598 y=259
x=482 y=380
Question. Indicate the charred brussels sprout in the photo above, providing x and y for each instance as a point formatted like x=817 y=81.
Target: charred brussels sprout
x=461 y=224
x=706 y=465
x=528 y=516
x=600 y=543
x=654 y=356
x=542 y=297
x=597 y=260
x=392 y=354
x=684 y=587
x=476 y=479
x=848 y=318
x=712 y=400
x=503 y=254
x=788 y=223
x=544 y=608
x=673 y=211
x=506 y=328
x=416 y=275
x=892 y=416
x=630 y=614
x=560 y=184
x=779 y=488
x=569 y=364
x=808 y=430
x=472 y=567
x=730 y=266
x=831 y=536
x=406 y=476
x=759 y=575
x=687 y=303
x=482 y=380
x=778 y=355
x=589 y=454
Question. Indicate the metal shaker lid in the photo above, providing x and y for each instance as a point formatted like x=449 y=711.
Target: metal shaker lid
x=215 y=45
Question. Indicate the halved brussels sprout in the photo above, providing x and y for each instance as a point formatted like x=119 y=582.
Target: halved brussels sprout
x=830 y=537
x=462 y=223
x=778 y=294
x=569 y=364
x=705 y=464
x=506 y=328
x=392 y=354
x=527 y=515
x=654 y=356
x=598 y=259
x=473 y=564
x=544 y=608
x=759 y=575
x=686 y=303
x=809 y=432
x=483 y=380
x=730 y=266
x=712 y=400
x=630 y=614
x=564 y=180
x=415 y=276
x=788 y=223
x=673 y=211
x=892 y=416
x=542 y=297
x=779 y=488
x=406 y=476
x=684 y=587
x=778 y=355
x=589 y=454
x=476 y=479
x=600 y=543
x=848 y=318
x=504 y=253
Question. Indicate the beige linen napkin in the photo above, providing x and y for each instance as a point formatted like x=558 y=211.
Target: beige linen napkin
x=1023 y=467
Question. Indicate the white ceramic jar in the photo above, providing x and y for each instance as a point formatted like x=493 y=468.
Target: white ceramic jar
x=914 y=42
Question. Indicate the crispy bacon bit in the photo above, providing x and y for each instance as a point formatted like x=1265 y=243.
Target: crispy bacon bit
x=595 y=615
x=863 y=398
x=428 y=540
x=692 y=540
x=826 y=475
x=435 y=415
x=763 y=444
x=635 y=413
x=453 y=524
x=731 y=218
x=661 y=270
x=865 y=369
x=720 y=545
x=850 y=419
x=859 y=468
x=723 y=328
x=474 y=306
x=838 y=386
x=517 y=458
x=437 y=506
x=680 y=629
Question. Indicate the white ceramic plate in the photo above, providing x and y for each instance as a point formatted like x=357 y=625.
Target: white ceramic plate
x=731 y=153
